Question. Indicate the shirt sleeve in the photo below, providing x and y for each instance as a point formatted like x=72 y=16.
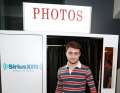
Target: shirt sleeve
x=90 y=82
x=59 y=86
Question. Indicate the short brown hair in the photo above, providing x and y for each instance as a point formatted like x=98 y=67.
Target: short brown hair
x=73 y=44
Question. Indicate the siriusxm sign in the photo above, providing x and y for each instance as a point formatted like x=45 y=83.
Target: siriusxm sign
x=22 y=67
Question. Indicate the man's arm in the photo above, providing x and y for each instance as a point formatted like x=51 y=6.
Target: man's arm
x=90 y=82
x=59 y=84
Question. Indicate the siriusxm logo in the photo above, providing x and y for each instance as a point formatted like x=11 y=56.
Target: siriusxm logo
x=22 y=67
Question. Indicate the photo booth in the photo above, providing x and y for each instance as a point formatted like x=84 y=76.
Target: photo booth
x=30 y=60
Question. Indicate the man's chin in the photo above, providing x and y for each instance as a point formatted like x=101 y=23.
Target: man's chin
x=73 y=62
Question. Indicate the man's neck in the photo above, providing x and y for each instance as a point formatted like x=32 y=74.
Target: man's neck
x=72 y=65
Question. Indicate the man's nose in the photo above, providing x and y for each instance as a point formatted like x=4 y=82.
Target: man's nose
x=73 y=55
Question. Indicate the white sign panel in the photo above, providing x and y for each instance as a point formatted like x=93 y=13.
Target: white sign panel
x=21 y=63
x=53 y=17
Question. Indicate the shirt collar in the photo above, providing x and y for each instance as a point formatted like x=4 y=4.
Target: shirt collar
x=78 y=64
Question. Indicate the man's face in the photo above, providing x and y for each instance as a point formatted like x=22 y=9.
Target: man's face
x=73 y=55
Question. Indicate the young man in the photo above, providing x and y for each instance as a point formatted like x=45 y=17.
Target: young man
x=73 y=77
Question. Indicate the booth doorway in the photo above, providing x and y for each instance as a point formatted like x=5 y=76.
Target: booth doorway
x=91 y=55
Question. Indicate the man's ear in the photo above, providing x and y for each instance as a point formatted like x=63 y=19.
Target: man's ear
x=65 y=53
x=80 y=54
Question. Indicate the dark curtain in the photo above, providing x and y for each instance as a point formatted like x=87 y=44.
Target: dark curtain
x=91 y=55
x=55 y=59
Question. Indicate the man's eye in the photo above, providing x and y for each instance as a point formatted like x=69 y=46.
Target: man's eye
x=76 y=53
x=70 y=53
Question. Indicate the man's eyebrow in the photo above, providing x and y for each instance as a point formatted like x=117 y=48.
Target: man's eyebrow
x=73 y=52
